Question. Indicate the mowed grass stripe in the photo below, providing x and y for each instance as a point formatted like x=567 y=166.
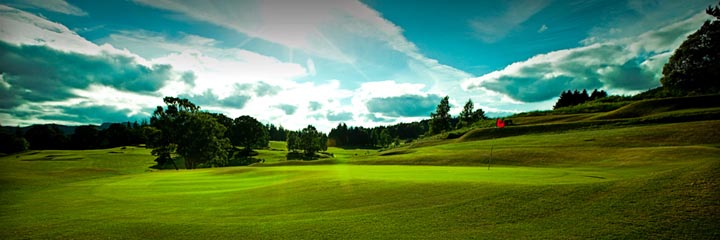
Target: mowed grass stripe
x=621 y=184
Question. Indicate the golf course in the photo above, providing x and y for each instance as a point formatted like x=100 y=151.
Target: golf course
x=578 y=176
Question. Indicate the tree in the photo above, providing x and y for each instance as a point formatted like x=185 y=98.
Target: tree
x=384 y=138
x=249 y=133
x=572 y=98
x=194 y=135
x=293 y=143
x=10 y=143
x=85 y=137
x=468 y=116
x=46 y=137
x=310 y=141
x=694 y=68
x=116 y=135
x=202 y=141
x=597 y=94
x=440 y=119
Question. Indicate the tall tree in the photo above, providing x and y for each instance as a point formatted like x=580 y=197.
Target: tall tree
x=202 y=141
x=310 y=141
x=440 y=119
x=293 y=142
x=468 y=116
x=249 y=133
x=85 y=137
x=194 y=135
x=694 y=68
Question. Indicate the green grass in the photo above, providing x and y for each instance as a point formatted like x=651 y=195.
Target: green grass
x=624 y=181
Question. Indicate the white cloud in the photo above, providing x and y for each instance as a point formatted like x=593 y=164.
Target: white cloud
x=542 y=28
x=311 y=67
x=60 y=6
x=624 y=65
x=235 y=66
x=317 y=27
x=330 y=30
x=22 y=28
x=491 y=29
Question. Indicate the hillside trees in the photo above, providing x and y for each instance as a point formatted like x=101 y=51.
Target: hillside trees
x=440 y=119
x=694 y=68
x=572 y=98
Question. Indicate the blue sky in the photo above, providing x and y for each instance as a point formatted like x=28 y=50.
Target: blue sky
x=295 y=63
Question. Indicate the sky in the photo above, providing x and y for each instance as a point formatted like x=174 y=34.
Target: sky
x=323 y=62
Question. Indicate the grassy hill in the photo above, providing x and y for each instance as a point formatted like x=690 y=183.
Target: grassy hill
x=570 y=176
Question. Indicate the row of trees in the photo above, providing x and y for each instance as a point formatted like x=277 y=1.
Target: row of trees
x=50 y=136
x=212 y=139
x=202 y=138
x=572 y=98
x=344 y=136
x=384 y=136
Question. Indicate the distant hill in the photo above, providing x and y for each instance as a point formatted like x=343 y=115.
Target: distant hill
x=65 y=129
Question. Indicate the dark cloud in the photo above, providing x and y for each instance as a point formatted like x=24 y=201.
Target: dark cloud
x=260 y=89
x=39 y=73
x=530 y=89
x=79 y=114
x=287 y=108
x=189 y=78
x=404 y=106
x=372 y=118
x=600 y=66
x=263 y=89
x=314 y=106
x=100 y=114
x=630 y=76
x=341 y=116
x=208 y=98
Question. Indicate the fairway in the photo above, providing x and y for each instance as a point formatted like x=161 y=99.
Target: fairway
x=620 y=185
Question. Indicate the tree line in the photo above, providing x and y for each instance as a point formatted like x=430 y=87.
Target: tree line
x=572 y=98
x=51 y=136
x=385 y=136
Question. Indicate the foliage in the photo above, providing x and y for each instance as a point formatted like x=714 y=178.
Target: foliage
x=354 y=137
x=196 y=136
x=249 y=133
x=572 y=98
x=46 y=137
x=468 y=116
x=10 y=143
x=276 y=133
x=440 y=120
x=694 y=68
x=312 y=141
x=293 y=141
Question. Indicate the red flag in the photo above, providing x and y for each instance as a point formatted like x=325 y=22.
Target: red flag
x=500 y=123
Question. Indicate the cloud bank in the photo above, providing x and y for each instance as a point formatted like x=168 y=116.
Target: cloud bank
x=624 y=65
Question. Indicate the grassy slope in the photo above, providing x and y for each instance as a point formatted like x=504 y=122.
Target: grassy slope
x=611 y=181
